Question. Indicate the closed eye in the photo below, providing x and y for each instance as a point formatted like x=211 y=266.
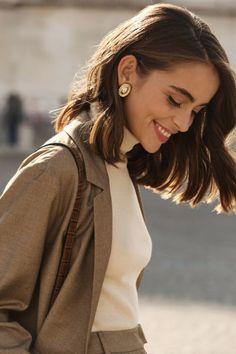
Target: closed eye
x=173 y=102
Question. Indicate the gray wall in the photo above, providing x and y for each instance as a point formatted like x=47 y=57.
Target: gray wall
x=43 y=47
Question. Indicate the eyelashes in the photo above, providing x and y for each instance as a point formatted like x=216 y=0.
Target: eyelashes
x=174 y=103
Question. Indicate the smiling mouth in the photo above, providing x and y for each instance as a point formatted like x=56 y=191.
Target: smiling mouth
x=162 y=133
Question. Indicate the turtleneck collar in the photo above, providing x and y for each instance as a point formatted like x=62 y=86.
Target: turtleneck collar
x=128 y=142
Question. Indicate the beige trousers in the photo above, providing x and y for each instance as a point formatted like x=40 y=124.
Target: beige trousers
x=128 y=341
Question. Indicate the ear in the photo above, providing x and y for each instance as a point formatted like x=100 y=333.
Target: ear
x=127 y=69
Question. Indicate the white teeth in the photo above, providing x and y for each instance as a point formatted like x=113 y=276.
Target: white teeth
x=163 y=131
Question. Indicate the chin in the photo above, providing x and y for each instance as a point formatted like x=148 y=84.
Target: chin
x=150 y=148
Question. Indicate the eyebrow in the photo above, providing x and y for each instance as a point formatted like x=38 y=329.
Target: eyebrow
x=186 y=93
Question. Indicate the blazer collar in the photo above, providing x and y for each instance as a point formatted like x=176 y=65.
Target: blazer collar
x=94 y=166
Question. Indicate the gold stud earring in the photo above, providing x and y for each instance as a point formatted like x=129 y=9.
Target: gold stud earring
x=124 y=89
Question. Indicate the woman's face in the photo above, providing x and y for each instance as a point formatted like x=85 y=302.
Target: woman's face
x=165 y=102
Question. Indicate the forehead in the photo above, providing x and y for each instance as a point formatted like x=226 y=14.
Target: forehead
x=200 y=79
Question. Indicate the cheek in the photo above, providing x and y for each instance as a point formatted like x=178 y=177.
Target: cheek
x=160 y=106
x=145 y=106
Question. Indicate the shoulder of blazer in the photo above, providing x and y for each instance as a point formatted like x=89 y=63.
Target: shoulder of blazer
x=94 y=166
x=63 y=139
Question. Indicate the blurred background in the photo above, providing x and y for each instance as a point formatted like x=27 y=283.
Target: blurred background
x=188 y=296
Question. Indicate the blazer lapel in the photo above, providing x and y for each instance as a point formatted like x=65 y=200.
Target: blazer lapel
x=96 y=174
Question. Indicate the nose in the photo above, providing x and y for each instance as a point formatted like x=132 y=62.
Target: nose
x=183 y=121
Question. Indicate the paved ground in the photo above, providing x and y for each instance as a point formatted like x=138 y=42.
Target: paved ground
x=188 y=295
x=188 y=303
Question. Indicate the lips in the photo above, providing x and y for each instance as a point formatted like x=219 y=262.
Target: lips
x=162 y=133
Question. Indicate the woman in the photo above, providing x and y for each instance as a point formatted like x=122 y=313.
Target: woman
x=155 y=109
x=13 y=115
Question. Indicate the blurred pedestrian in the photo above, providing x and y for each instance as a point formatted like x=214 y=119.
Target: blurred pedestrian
x=155 y=109
x=12 y=117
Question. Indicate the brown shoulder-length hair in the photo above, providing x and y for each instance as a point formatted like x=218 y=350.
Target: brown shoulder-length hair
x=192 y=166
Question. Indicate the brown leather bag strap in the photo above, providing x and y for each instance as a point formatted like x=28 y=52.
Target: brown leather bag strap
x=65 y=261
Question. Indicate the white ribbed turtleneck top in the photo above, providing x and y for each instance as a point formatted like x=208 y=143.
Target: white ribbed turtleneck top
x=130 y=253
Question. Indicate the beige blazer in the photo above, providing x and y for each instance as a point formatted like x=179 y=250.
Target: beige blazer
x=35 y=209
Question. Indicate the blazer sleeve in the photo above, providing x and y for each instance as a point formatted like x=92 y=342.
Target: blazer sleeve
x=28 y=207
